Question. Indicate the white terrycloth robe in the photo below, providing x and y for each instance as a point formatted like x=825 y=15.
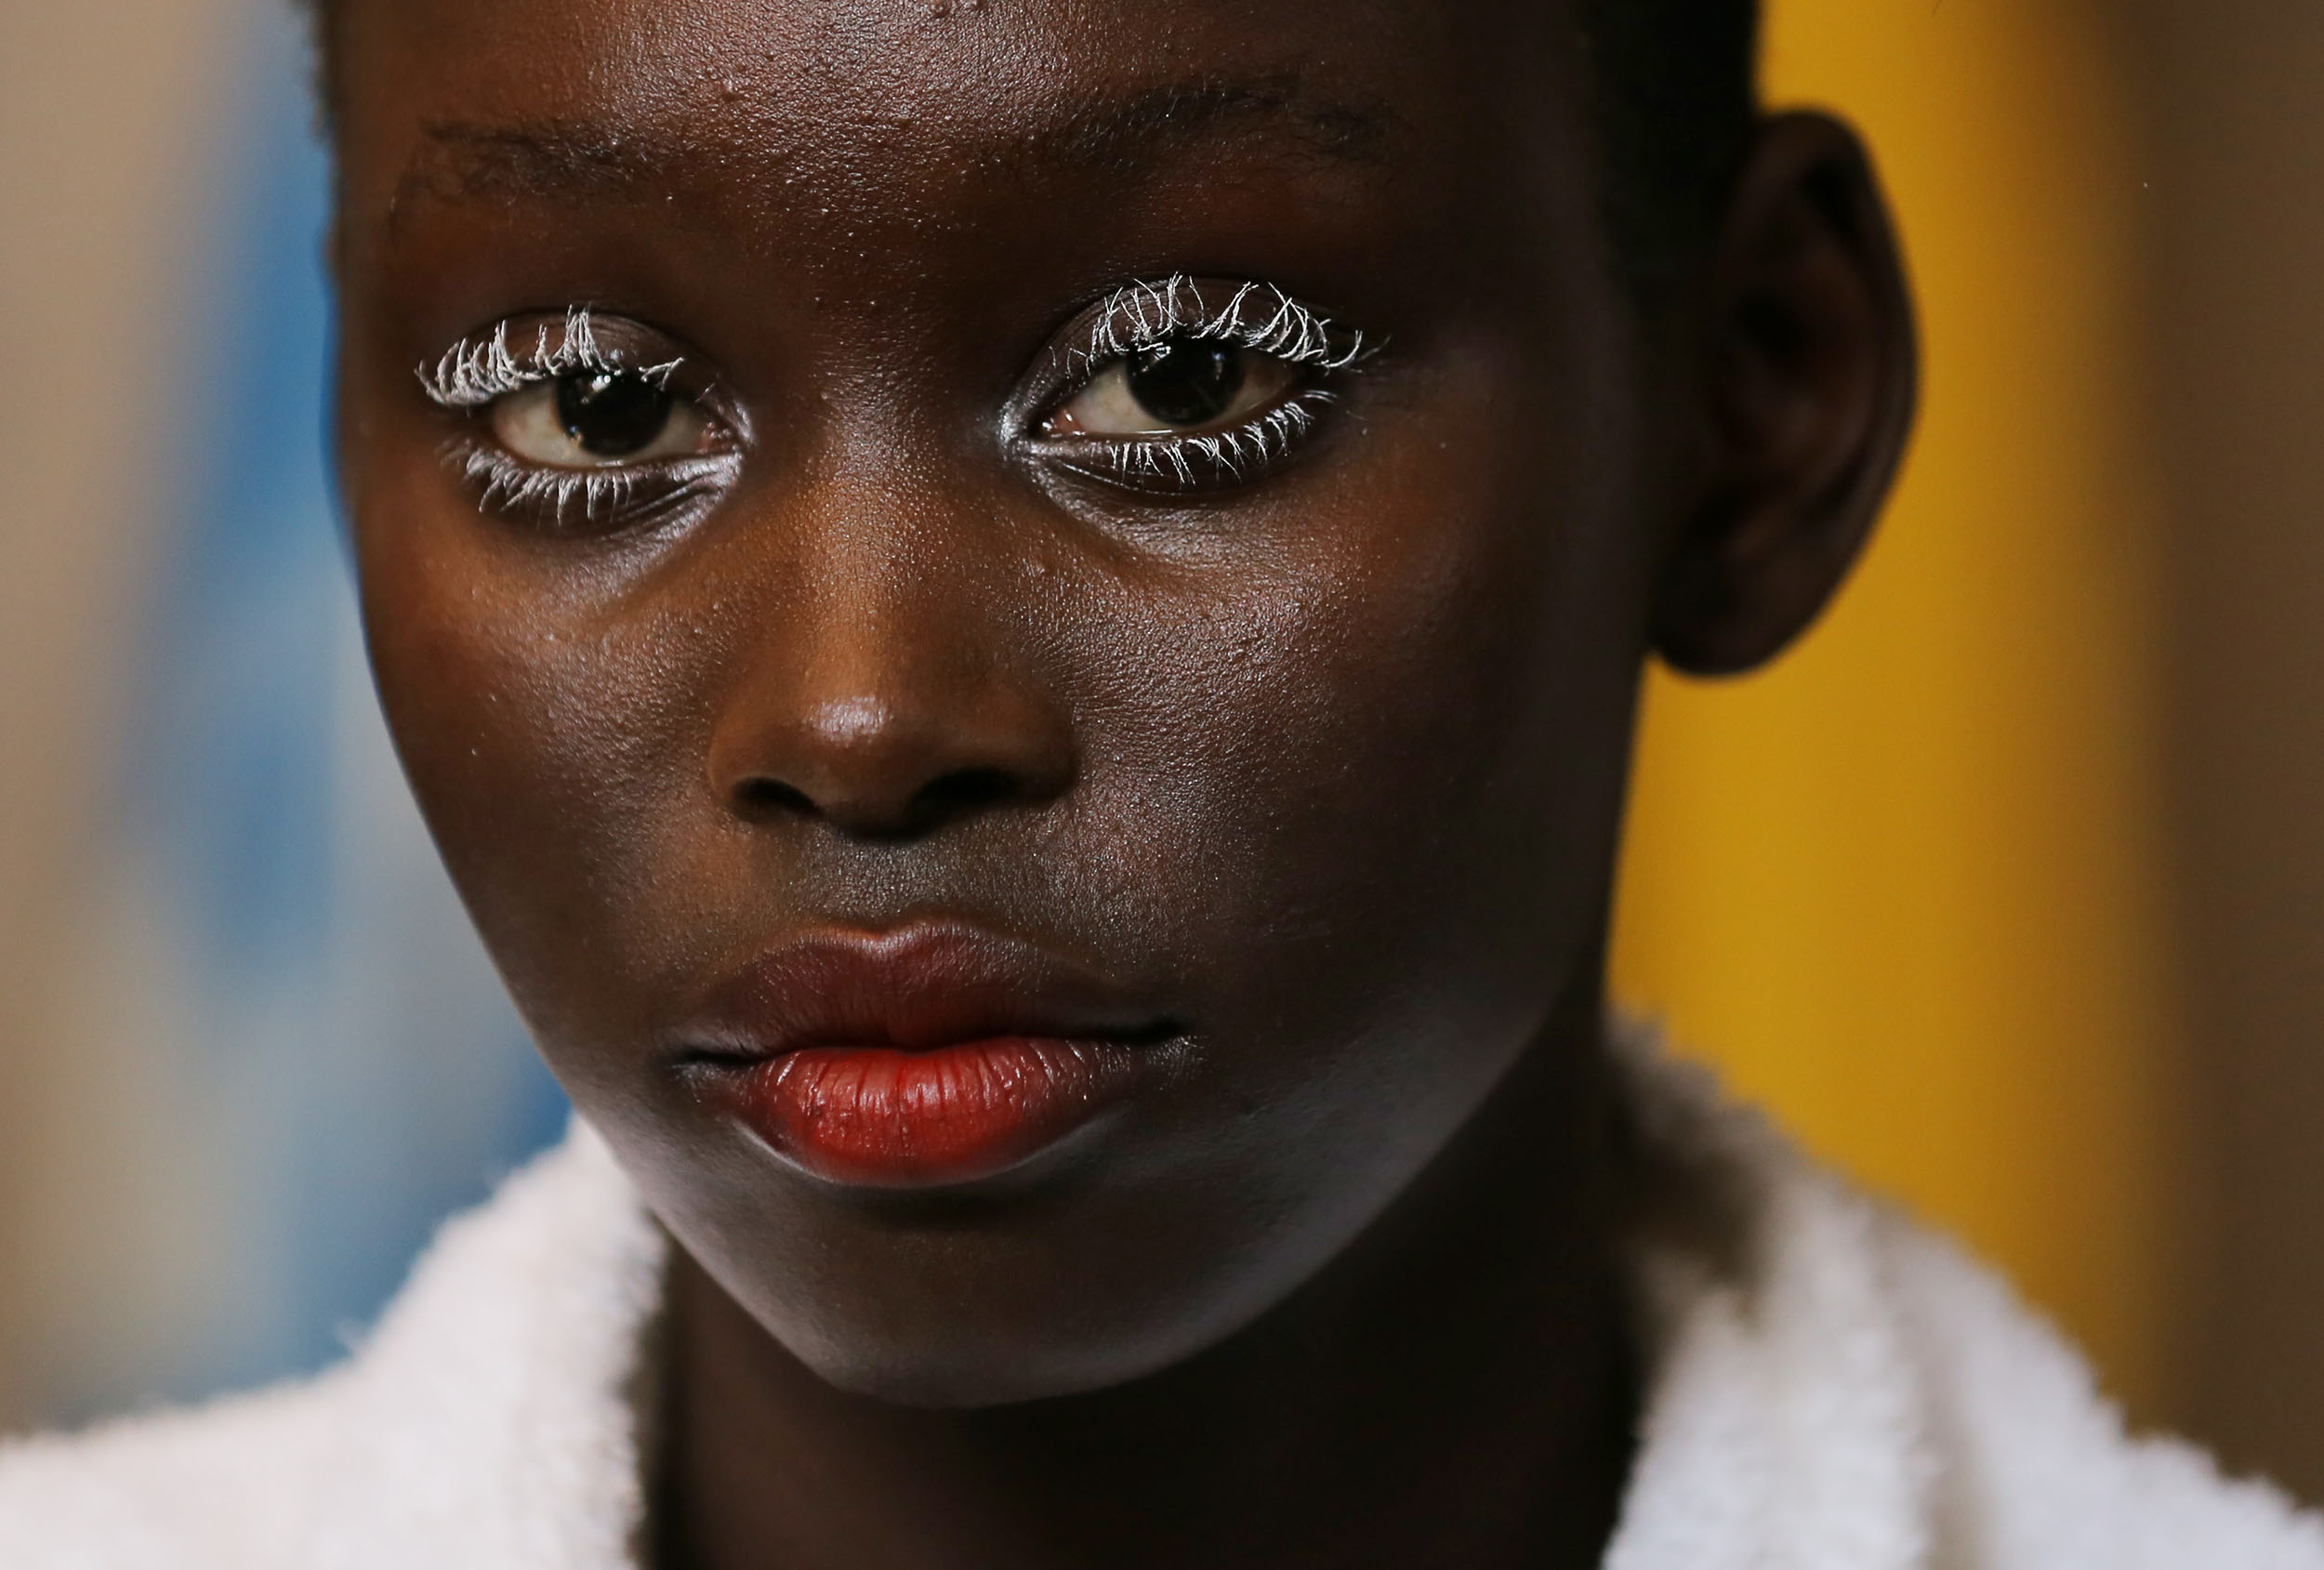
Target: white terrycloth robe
x=1830 y=1389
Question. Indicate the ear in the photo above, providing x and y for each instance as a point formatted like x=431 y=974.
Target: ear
x=1809 y=365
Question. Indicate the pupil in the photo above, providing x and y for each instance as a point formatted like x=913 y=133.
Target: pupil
x=612 y=414
x=1186 y=383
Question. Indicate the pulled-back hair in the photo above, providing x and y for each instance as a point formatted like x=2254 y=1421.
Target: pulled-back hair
x=1676 y=89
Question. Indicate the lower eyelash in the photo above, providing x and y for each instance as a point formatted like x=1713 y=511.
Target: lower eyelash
x=1224 y=457
x=508 y=485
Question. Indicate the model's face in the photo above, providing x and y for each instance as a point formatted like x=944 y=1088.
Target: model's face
x=1033 y=704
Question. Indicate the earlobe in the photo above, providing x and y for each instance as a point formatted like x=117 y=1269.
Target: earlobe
x=1809 y=368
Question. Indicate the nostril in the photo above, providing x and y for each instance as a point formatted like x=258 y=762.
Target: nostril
x=761 y=796
x=962 y=791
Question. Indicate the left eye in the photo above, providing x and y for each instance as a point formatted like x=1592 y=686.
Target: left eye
x=1175 y=386
x=597 y=420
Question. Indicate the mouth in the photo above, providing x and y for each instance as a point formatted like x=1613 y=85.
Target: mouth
x=929 y=1055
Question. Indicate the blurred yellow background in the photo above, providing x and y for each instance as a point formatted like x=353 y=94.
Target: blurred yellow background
x=1905 y=886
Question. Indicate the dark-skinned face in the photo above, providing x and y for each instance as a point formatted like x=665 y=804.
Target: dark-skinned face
x=1132 y=513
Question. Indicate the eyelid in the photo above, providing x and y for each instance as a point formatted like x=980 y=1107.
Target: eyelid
x=482 y=369
x=1255 y=316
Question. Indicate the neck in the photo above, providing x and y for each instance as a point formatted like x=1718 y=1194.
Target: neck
x=1457 y=1387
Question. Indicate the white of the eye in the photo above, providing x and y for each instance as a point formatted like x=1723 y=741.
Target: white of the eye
x=1106 y=406
x=525 y=422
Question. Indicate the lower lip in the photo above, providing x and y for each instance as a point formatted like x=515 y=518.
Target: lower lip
x=888 y=1117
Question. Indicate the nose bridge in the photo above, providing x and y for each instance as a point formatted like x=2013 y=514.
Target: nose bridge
x=883 y=691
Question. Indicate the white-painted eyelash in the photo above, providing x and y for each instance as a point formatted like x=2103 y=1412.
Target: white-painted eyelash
x=1240 y=454
x=474 y=373
x=1258 y=316
x=509 y=484
x=515 y=486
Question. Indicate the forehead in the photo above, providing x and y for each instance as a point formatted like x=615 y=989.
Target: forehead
x=467 y=97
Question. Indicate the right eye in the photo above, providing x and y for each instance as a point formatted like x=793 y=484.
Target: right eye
x=597 y=420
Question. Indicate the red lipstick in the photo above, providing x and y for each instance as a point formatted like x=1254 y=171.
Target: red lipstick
x=927 y=1056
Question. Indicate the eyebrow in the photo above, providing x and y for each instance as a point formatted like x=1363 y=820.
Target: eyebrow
x=1159 y=119
x=579 y=159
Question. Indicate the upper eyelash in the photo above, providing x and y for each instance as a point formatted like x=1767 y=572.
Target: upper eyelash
x=1141 y=315
x=474 y=373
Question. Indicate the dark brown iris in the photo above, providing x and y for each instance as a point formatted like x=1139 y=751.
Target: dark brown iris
x=1186 y=384
x=613 y=414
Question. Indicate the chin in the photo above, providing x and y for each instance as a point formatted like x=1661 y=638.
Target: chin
x=991 y=1373
x=953 y=1384
x=997 y=1348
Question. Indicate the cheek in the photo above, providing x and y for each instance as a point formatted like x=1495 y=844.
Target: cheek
x=1381 y=776
x=554 y=748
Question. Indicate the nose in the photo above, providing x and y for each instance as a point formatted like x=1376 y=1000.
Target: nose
x=886 y=720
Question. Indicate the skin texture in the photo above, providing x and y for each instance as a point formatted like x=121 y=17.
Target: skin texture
x=1324 y=769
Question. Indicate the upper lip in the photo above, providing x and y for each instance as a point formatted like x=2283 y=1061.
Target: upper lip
x=915 y=987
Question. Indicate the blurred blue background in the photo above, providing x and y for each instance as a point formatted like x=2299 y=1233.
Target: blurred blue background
x=357 y=1068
